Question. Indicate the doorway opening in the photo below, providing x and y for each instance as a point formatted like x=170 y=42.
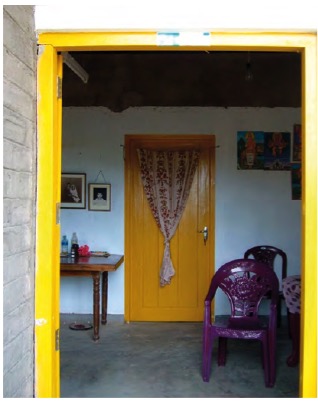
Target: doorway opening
x=307 y=121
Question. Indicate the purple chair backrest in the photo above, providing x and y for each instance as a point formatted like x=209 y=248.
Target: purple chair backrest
x=245 y=282
x=267 y=254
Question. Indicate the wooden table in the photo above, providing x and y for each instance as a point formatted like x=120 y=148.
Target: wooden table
x=94 y=266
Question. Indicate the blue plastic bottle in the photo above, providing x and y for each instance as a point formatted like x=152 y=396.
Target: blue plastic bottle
x=64 y=245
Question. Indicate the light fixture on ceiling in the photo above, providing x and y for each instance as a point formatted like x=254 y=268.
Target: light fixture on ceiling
x=75 y=67
x=248 y=73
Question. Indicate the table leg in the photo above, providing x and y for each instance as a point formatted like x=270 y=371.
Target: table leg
x=96 y=301
x=104 y=297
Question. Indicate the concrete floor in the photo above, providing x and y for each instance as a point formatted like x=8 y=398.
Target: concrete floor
x=164 y=360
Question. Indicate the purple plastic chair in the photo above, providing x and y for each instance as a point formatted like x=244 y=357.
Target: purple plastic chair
x=267 y=254
x=245 y=282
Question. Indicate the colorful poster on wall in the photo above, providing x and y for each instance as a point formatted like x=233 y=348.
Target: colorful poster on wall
x=296 y=181
x=297 y=143
x=250 y=150
x=277 y=150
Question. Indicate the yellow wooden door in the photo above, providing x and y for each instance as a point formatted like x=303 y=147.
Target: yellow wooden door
x=193 y=260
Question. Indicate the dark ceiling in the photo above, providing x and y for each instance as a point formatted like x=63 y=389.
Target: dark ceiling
x=118 y=80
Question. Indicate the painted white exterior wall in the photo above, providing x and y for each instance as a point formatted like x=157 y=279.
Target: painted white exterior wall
x=252 y=207
x=282 y=15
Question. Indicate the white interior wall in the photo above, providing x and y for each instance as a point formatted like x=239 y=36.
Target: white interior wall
x=252 y=207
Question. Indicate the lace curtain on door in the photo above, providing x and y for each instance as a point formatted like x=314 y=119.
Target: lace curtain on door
x=167 y=177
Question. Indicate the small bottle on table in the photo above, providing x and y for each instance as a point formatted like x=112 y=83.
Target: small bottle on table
x=64 y=247
x=74 y=247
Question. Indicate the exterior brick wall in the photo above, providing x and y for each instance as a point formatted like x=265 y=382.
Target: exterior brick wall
x=19 y=197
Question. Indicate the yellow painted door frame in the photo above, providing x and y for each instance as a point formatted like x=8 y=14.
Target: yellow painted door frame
x=47 y=274
x=49 y=156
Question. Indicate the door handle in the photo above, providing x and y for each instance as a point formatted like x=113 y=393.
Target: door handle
x=205 y=233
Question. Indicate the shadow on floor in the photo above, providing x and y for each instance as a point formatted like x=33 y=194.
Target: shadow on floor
x=148 y=359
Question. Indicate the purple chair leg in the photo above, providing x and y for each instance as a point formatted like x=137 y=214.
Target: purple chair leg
x=207 y=353
x=222 y=351
x=272 y=358
x=294 y=324
x=266 y=362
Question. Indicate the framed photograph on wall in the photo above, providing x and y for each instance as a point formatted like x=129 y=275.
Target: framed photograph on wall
x=250 y=150
x=277 y=150
x=99 y=197
x=73 y=191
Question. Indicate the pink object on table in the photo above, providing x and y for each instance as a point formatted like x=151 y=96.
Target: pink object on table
x=84 y=250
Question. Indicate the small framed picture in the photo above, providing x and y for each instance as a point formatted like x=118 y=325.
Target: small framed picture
x=99 y=197
x=73 y=191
